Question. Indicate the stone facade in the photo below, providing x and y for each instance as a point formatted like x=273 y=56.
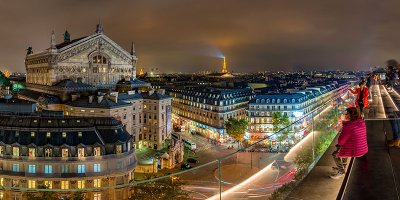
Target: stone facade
x=94 y=59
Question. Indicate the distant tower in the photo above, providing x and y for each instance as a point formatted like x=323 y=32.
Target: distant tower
x=224 y=68
x=141 y=73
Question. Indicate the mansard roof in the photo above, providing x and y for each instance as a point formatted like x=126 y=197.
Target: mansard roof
x=105 y=103
x=33 y=130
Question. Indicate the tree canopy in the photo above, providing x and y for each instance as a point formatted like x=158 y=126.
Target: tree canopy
x=4 y=80
x=236 y=128
x=279 y=123
x=165 y=189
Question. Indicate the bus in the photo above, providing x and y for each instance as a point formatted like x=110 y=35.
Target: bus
x=188 y=144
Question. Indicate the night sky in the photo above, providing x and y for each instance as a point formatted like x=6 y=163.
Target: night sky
x=189 y=35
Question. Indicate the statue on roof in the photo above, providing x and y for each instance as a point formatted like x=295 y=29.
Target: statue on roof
x=67 y=36
x=133 y=51
x=29 y=51
x=99 y=28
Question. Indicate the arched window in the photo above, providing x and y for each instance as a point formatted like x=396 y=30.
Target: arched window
x=99 y=59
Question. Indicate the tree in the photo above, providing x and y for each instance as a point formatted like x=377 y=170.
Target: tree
x=236 y=129
x=4 y=80
x=40 y=195
x=17 y=87
x=165 y=189
x=49 y=195
x=280 y=123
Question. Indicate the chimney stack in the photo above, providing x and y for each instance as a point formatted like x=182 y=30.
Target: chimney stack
x=74 y=97
x=132 y=92
x=161 y=91
x=151 y=92
x=114 y=96
x=100 y=98
x=91 y=98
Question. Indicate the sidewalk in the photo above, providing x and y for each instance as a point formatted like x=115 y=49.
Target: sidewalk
x=318 y=185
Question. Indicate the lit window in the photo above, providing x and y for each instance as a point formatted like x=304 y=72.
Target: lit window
x=81 y=184
x=63 y=121
x=1 y=150
x=97 y=151
x=97 y=183
x=82 y=110
x=48 y=134
x=48 y=152
x=119 y=148
x=79 y=134
x=35 y=121
x=81 y=152
x=32 y=134
x=64 y=185
x=32 y=152
x=32 y=169
x=78 y=121
x=64 y=152
x=96 y=167
x=31 y=184
x=48 y=184
x=48 y=169
x=92 y=111
x=1 y=181
x=49 y=121
x=15 y=167
x=64 y=134
x=81 y=169
x=97 y=196
x=15 y=151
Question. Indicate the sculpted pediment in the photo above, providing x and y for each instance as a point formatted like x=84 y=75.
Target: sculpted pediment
x=93 y=43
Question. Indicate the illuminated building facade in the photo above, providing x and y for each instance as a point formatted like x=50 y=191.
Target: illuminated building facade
x=93 y=59
x=205 y=110
x=65 y=153
x=94 y=76
x=295 y=105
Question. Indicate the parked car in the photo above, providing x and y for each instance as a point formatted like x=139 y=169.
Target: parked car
x=192 y=160
x=185 y=166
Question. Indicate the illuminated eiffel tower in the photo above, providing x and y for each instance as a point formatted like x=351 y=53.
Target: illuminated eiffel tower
x=224 y=68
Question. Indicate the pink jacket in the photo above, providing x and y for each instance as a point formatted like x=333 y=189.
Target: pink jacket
x=353 y=139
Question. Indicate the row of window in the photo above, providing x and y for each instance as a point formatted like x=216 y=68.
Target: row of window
x=18 y=196
x=277 y=100
x=48 y=169
x=48 y=152
x=64 y=184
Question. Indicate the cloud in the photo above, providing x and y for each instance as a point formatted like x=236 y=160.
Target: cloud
x=187 y=35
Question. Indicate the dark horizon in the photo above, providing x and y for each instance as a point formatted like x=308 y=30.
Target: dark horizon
x=191 y=36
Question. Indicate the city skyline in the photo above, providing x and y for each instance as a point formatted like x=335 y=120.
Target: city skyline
x=177 y=37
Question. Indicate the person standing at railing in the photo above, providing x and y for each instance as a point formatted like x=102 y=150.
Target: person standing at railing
x=395 y=142
x=362 y=96
x=352 y=141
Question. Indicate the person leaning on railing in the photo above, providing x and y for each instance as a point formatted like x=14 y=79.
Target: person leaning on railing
x=352 y=141
x=362 y=95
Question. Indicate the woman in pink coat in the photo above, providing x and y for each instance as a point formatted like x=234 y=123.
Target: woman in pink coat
x=352 y=141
